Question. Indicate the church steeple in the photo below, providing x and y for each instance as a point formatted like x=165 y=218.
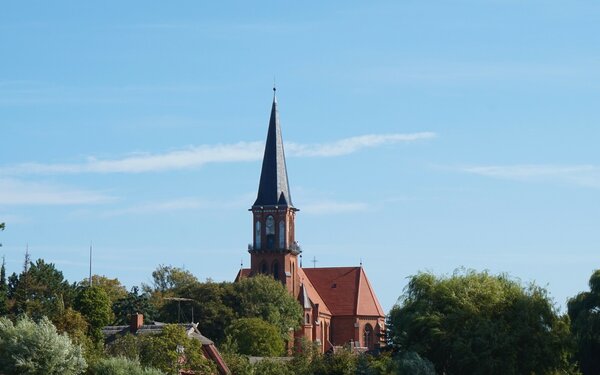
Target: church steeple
x=273 y=189
x=274 y=250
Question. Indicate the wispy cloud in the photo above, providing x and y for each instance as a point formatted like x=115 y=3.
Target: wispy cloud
x=333 y=207
x=205 y=154
x=350 y=145
x=579 y=175
x=181 y=204
x=16 y=192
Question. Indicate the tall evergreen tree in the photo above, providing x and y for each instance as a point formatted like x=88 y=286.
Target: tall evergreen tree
x=3 y=290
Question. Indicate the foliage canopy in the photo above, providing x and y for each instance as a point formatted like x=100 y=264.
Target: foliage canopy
x=477 y=323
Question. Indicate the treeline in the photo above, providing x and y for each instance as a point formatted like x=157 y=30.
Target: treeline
x=466 y=323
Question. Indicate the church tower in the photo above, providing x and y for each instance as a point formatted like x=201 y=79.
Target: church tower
x=274 y=250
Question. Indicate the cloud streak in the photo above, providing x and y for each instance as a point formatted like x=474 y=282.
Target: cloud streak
x=334 y=208
x=181 y=204
x=205 y=154
x=578 y=175
x=15 y=192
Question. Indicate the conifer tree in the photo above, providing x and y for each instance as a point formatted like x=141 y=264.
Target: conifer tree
x=3 y=290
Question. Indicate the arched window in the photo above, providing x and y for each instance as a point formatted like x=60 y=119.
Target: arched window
x=307 y=320
x=281 y=235
x=270 y=232
x=275 y=270
x=263 y=268
x=257 y=235
x=368 y=336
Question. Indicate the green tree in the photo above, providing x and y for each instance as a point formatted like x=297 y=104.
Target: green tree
x=169 y=278
x=238 y=364
x=41 y=290
x=29 y=348
x=341 y=362
x=255 y=337
x=93 y=303
x=121 y=366
x=113 y=287
x=263 y=297
x=584 y=311
x=172 y=350
x=476 y=323
x=211 y=310
x=3 y=290
x=272 y=367
x=133 y=303
x=410 y=363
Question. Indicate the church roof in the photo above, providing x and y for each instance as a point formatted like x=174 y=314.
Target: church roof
x=312 y=292
x=273 y=188
x=345 y=290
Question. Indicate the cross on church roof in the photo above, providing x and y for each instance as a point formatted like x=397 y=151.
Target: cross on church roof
x=314 y=262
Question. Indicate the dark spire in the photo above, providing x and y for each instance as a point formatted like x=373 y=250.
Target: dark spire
x=274 y=188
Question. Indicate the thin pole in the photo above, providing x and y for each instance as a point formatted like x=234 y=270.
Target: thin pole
x=90 y=264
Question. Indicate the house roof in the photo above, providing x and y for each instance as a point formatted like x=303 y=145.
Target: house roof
x=345 y=290
x=273 y=188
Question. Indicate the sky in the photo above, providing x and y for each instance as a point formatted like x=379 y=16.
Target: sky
x=421 y=136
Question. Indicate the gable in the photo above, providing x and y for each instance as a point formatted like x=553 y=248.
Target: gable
x=345 y=290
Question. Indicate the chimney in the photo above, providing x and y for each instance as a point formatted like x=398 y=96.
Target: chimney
x=136 y=322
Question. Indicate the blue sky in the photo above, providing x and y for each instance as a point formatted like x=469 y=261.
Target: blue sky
x=421 y=135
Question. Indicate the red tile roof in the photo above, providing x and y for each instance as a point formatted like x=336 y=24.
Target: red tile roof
x=242 y=273
x=345 y=290
x=312 y=292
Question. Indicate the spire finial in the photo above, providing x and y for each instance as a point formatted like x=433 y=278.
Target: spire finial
x=274 y=86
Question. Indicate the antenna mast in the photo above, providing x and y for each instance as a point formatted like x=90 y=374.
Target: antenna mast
x=90 y=264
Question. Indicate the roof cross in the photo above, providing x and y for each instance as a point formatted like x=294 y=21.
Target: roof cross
x=314 y=262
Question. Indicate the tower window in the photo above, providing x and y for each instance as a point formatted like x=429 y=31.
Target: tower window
x=307 y=321
x=263 y=268
x=368 y=336
x=270 y=232
x=276 y=270
x=257 y=235
x=281 y=235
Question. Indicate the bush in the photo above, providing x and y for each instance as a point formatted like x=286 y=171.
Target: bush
x=29 y=348
x=121 y=366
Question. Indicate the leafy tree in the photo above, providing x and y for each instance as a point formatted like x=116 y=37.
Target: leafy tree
x=237 y=363
x=169 y=278
x=263 y=297
x=94 y=304
x=121 y=366
x=170 y=351
x=584 y=311
x=211 y=310
x=410 y=363
x=127 y=346
x=29 y=348
x=113 y=287
x=341 y=362
x=476 y=323
x=272 y=367
x=74 y=324
x=254 y=336
x=133 y=303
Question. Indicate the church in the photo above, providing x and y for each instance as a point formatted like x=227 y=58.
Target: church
x=340 y=305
